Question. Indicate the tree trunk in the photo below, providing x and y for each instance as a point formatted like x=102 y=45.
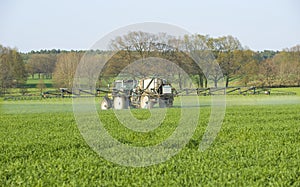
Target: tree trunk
x=180 y=81
x=201 y=80
x=227 y=81
x=216 y=83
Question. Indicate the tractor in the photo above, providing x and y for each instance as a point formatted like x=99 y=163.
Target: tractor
x=144 y=93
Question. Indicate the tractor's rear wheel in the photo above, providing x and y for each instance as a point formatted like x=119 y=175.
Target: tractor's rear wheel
x=146 y=103
x=170 y=104
x=119 y=103
x=162 y=103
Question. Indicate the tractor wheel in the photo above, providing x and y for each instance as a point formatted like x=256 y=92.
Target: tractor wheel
x=162 y=103
x=170 y=104
x=145 y=102
x=119 y=103
x=105 y=104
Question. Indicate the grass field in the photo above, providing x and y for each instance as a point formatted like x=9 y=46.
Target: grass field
x=294 y=89
x=32 y=83
x=258 y=145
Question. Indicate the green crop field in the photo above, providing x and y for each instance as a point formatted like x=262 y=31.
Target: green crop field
x=258 y=145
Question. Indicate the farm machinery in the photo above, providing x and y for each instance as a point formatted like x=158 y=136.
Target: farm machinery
x=144 y=93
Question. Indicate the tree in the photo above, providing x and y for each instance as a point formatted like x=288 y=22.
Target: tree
x=266 y=54
x=41 y=63
x=284 y=63
x=136 y=46
x=294 y=58
x=268 y=72
x=65 y=69
x=226 y=50
x=41 y=85
x=247 y=66
x=12 y=69
x=197 y=46
x=141 y=42
x=285 y=66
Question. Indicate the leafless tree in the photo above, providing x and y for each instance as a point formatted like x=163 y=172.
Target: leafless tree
x=65 y=69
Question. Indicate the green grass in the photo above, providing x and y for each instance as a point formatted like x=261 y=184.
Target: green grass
x=258 y=145
x=32 y=83
x=291 y=89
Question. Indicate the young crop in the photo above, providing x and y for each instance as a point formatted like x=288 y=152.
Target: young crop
x=258 y=145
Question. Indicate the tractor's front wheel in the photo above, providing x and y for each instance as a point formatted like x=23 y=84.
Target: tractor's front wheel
x=163 y=103
x=105 y=104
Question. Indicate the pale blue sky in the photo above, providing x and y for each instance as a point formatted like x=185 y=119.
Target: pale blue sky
x=72 y=24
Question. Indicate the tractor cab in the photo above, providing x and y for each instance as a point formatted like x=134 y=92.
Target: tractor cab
x=124 y=84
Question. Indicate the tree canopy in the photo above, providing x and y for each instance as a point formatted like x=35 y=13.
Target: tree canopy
x=12 y=69
x=202 y=57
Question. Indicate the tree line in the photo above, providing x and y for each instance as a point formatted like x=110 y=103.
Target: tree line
x=12 y=69
x=226 y=54
x=216 y=56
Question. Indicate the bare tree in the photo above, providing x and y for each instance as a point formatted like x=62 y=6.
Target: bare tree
x=12 y=69
x=268 y=72
x=41 y=85
x=141 y=42
x=41 y=64
x=197 y=47
x=65 y=69
x=295 y=58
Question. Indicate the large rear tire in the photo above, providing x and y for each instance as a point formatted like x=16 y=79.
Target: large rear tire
x=170 y=104
x=162 y=103
x=146 y=102
x=105 y=104
x=120 y=103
